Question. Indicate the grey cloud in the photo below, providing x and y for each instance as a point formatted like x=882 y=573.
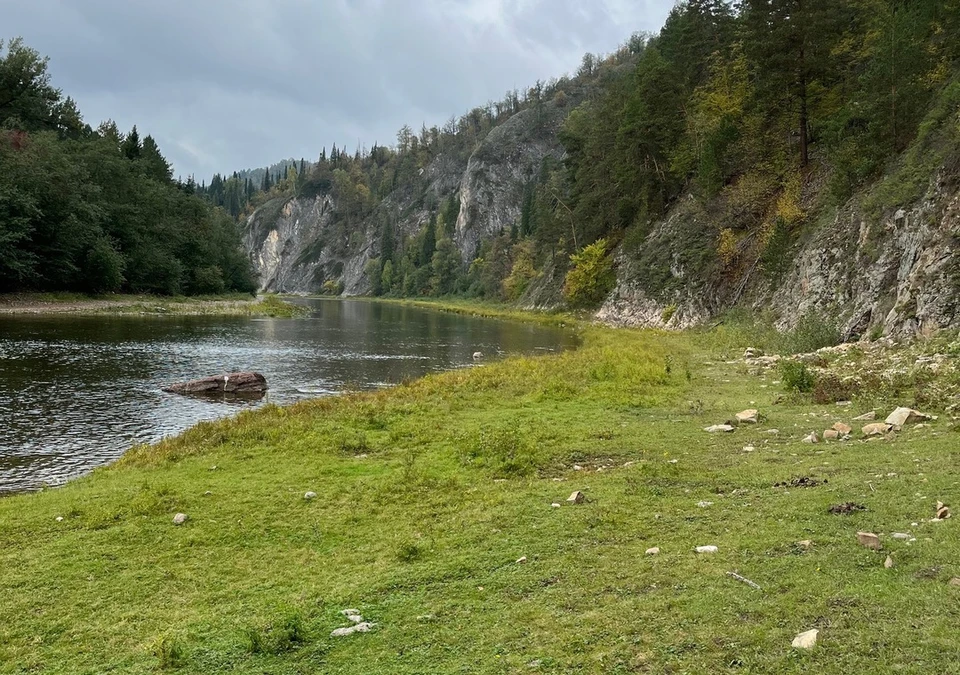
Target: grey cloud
x=230 y=84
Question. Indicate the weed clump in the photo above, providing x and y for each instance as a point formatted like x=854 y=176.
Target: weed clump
x=352 y=444
x=505 y=450
x=277 y=638
x=797 y=377
x=169 y=652
x=831 y=389
x=409 y=552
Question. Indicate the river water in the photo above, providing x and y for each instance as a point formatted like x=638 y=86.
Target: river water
x=78 y=391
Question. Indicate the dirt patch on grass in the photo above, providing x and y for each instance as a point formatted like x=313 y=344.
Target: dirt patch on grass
x=846 y=509
x=801 y=482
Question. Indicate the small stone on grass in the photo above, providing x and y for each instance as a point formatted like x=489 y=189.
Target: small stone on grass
x=807 y=640
x=180 y=519
x=869 y=539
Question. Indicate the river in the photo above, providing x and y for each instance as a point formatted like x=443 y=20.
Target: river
x=77 y=391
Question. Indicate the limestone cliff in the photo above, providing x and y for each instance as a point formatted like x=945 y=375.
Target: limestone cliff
x=295 y=246
x=893 y=269
x=896 y=271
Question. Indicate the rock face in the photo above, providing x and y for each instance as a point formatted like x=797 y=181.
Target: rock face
x=240 y=384
x=890 y=271
x=297 y=244
x=491 y=192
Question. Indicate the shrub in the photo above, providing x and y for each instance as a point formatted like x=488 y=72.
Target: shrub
x=331 y=287
x=208 y=281
x=103 y=271
x=591 y=278
x=811 y=333
x=797 y=377
x=830 y=389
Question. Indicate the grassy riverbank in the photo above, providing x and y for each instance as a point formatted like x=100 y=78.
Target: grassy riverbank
x=219 y=305
x=428 y=496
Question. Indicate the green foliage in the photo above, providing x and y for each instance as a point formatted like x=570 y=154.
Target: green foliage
x=170 y=653
x=796 y=377
x=284 y=635
x=505 y=450
x=94 y=212
x=331 y=287
x=831 y=389
x=103 y=269
x=591 y=277
x=776 y=253
x=813 y=331
x=522 y=272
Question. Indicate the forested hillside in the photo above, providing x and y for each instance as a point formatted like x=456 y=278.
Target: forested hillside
x=96 y=210
x=753 y=123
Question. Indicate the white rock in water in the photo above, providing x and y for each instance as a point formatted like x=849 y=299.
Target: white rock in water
x=477 y=356
x=310 y=495
x=707 y=549
x=180 y=519
x=806 y=640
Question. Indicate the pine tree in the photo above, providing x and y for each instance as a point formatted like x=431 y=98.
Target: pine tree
x=429 y=243
x=155 y=164
x=131 y=147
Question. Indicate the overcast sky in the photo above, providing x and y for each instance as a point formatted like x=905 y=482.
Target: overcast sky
x=234 y=84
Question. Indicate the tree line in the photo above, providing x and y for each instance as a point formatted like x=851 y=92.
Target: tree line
x=96 y=210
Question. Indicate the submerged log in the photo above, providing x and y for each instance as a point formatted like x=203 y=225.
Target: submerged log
x=238 y=384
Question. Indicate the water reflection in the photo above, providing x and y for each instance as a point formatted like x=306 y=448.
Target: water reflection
x=75 y=392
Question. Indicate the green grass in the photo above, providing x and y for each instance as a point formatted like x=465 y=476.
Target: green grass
x=235 y=304
x=491 y=310
x=430 y=492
